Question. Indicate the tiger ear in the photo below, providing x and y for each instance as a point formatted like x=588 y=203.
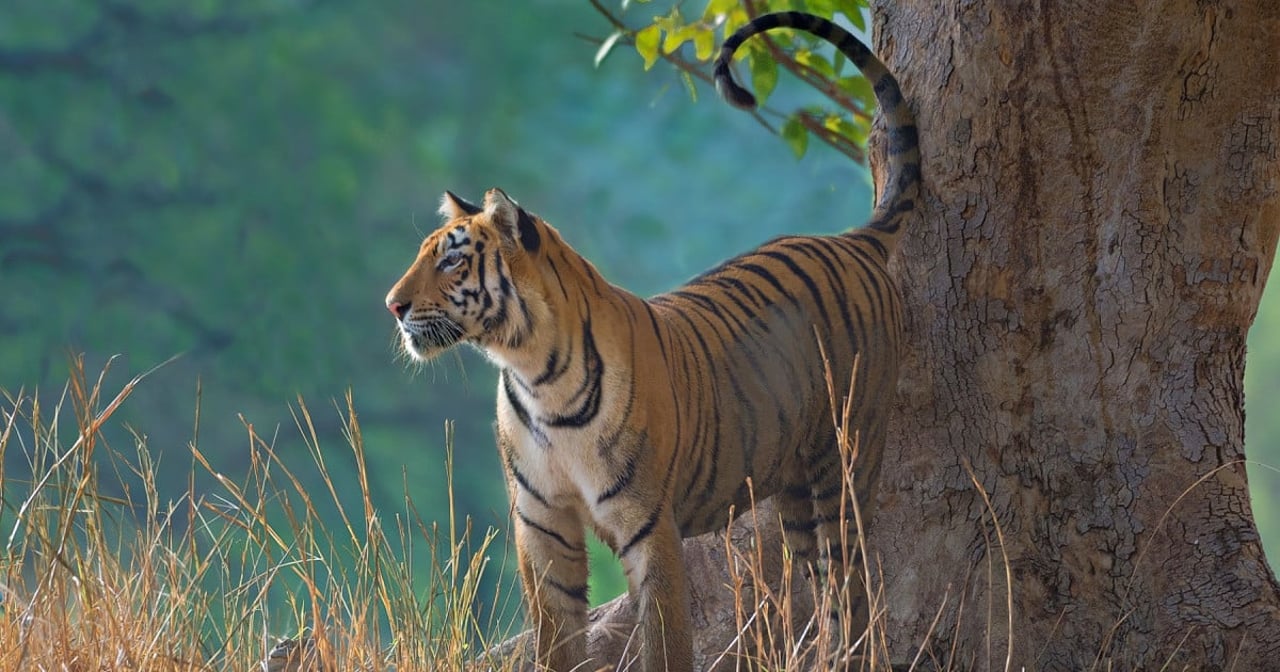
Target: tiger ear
x=512 y=221
x=452 y=207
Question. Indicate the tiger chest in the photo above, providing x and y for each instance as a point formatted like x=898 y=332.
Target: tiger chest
x=565 y=465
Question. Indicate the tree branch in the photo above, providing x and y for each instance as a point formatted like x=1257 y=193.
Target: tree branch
x=675 y=59
x=813 y=78
x=808 y=75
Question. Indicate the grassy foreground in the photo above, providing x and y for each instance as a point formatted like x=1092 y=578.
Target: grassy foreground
x=91 y=581
x=97 y=581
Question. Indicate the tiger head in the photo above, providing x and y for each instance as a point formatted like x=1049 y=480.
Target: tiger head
x=473 y=280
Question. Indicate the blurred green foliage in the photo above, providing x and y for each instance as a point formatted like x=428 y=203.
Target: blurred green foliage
x=241 y=182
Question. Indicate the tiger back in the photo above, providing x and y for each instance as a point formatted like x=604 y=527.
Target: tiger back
x=644 y=419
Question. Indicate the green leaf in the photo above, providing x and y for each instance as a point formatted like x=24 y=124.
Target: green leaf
x=676 y=37
x=717 y=7
x=859 y=20
x=704 y=44
x=647 y=44
x=838 y=124
x=734 y=20
x=764 y=74
x=796 y=135
x=854 y=10
x=824 y=8
x=860 y=90
x=815 y=62
x=607 y=47
x=672 y=21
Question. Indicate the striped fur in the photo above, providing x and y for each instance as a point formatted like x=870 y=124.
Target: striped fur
x=643 y=420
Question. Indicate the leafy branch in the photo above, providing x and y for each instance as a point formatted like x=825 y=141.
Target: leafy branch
x=843 y=122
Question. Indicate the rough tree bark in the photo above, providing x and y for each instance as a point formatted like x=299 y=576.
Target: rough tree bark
x=1102 y=213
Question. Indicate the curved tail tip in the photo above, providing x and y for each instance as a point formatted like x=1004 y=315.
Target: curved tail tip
x=733 y=94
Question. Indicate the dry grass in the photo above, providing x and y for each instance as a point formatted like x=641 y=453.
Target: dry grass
x=799 y=619
x=794 y=618
x=92 y=582
x=212 y=580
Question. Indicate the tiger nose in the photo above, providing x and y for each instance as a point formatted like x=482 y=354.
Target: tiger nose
x=398 y=309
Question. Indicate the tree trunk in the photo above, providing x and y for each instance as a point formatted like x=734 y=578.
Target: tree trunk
x=1102 y=212
x=1101 y=215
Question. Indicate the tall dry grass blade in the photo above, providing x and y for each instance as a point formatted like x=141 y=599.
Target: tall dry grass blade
x=1008 y=661
x=924 y=643
x=89 y=430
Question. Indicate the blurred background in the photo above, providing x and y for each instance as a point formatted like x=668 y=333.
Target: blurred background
x=239 y=182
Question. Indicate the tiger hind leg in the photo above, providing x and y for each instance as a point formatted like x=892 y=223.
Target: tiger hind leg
x=844 y=501
x=799 y=524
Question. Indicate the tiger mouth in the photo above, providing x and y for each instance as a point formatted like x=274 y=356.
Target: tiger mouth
x=426 y=337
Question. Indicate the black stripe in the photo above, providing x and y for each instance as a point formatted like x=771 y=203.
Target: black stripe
x=645 y=531
x=712 y=460
x=549 y=532
x=578 y=593
x=768 y=276
x=866 y=271
x=831 y=492
x=807 y=279
x=657 y=331
x=517 y=336
x=881 y=250
x=625 y=475
x=650 y=524
x=555 y=367
x=823 y=519
x=903 y=139
x=530 y=240
x=733 y=325
x=592 y=389
x=799 y=525
x=606 y=443
x=798 y=491
x=910 y=172
x=522 y=413
x=499 y=319
x=524 y=483
x=559 y=280
x=888 y=95
x=734 y=290
x=812 y=248
x=737 y=328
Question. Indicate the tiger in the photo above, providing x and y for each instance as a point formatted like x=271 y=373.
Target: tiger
x=649 y=421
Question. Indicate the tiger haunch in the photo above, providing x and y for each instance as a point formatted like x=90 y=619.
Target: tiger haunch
x=643 y=420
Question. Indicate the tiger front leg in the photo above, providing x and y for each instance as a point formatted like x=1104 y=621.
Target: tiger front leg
x=655 y=573
x=553 y=570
